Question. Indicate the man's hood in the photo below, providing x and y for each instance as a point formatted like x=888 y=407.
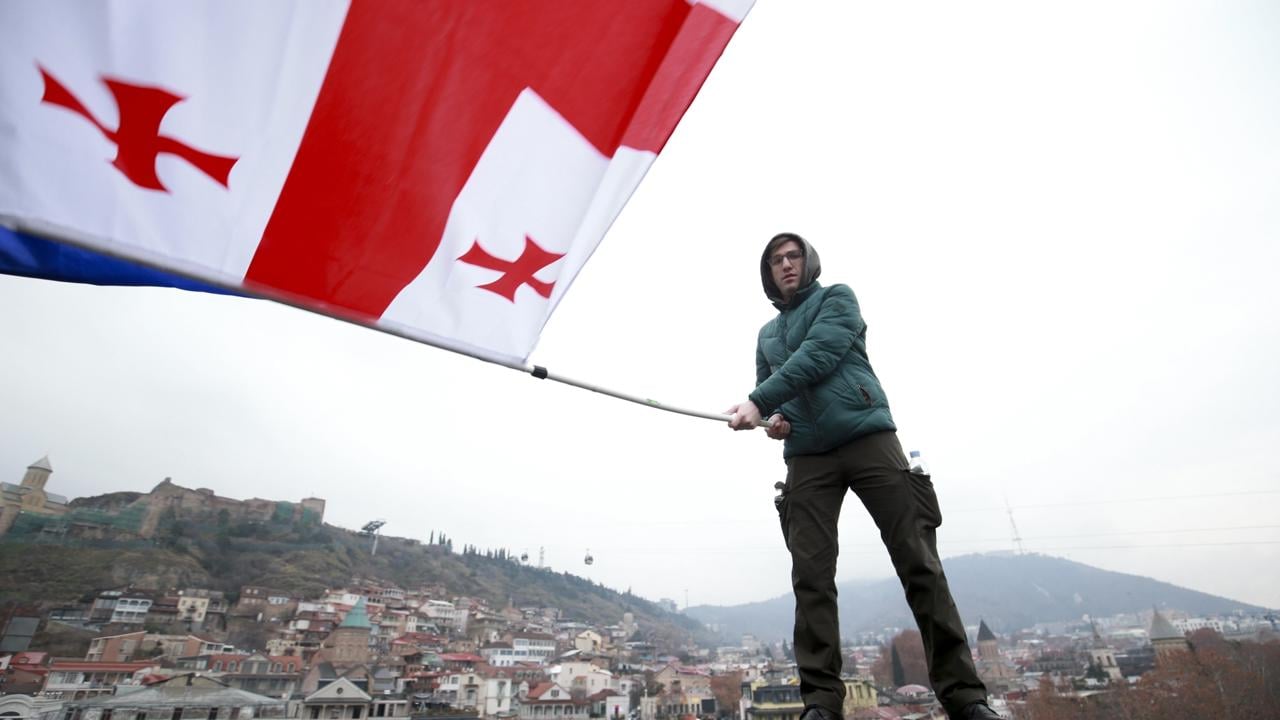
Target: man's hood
x=812 y=268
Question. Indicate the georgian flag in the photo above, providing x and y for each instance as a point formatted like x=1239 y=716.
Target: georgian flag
x=441 y=169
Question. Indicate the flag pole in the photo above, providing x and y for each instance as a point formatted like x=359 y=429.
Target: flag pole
x=67 y=236
x=544 y=374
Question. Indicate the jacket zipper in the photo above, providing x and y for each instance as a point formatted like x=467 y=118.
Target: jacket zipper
x=804 y=394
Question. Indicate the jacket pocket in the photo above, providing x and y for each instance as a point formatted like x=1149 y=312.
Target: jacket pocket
x=852 y=390
x=928 y=513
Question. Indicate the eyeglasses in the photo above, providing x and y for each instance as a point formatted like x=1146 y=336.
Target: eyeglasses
x=794 y=256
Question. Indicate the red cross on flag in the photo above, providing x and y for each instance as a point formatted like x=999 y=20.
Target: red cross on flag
x=438 y=168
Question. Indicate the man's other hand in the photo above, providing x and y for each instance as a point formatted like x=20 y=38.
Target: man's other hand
x=778 y=428
x=745 y=416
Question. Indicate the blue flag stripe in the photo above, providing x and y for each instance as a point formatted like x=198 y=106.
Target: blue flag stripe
x=37 y=257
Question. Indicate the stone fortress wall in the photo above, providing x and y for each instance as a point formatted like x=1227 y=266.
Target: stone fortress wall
x=28 y=510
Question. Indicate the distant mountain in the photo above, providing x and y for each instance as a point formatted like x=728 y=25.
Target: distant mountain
x=1009 y=592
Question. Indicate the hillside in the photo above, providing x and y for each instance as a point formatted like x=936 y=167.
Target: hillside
x=1009 y=592
x=304 y=559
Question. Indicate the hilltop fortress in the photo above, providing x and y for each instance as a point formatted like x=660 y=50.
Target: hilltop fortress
x=30 y=510
x=203 y=503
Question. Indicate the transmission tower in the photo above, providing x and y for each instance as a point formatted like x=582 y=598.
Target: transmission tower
x=1017 y=539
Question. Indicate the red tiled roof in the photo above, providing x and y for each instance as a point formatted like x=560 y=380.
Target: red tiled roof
x=461 y=657
x=535 y=695
x=537 y=690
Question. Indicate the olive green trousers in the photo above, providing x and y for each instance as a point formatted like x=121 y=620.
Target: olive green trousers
x=905 y=509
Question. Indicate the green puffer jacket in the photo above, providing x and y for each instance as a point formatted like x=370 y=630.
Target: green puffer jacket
x=811 y=366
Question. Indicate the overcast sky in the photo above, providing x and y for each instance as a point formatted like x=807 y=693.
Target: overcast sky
x=1061 y=222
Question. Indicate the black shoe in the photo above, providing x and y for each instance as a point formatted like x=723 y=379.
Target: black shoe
x=978 y=711
x=817 y=712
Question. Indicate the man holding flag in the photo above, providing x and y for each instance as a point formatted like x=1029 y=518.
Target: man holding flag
x=823 y=399
x=440 y=171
